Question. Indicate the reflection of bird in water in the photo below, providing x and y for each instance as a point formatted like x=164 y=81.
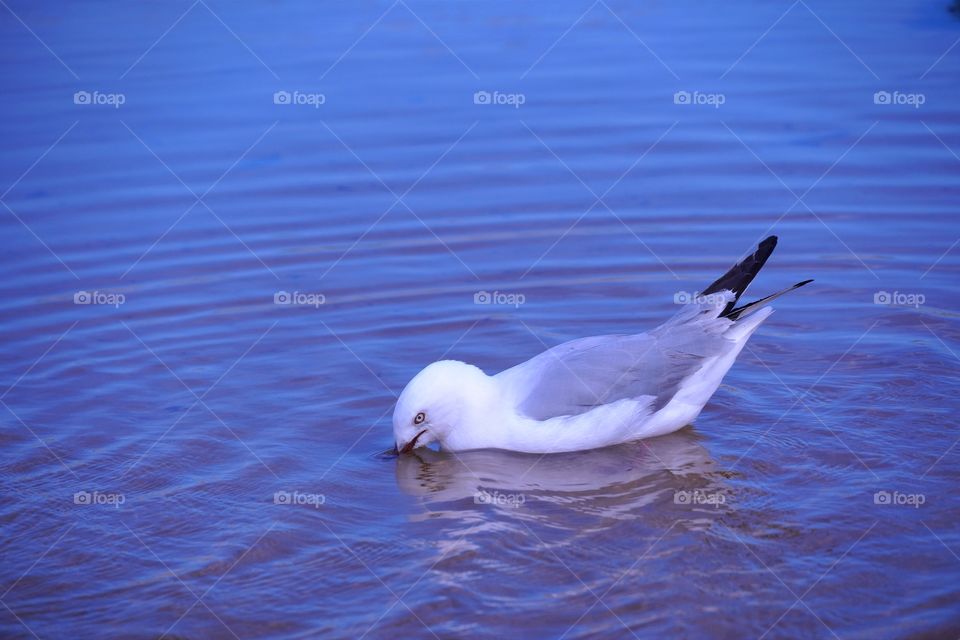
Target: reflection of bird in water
x=507 y=513
x=609 y=482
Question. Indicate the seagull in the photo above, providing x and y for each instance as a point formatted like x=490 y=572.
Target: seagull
x=591 y=392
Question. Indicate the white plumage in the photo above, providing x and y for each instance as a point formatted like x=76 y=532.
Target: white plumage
x=591 y=392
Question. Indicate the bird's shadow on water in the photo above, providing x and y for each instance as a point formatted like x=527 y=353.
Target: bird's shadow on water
x=673 y=470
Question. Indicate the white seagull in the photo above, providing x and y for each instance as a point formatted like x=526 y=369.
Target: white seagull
x=591 y=392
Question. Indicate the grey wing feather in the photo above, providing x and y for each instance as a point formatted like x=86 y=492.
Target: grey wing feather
x=576 y=376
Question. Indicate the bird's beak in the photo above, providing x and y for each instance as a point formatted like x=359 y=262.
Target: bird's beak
x=407 y=448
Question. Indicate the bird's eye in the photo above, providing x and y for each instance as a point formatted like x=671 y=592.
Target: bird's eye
x=420 y=418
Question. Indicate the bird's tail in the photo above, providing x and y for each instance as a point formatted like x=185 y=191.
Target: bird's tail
x=739 y=277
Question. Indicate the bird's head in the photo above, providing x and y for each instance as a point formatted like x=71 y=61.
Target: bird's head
x=437 y=402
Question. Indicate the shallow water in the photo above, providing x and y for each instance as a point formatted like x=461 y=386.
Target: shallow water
x=200 y=462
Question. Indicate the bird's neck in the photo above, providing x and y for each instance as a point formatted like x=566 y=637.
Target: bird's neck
x=482 y=415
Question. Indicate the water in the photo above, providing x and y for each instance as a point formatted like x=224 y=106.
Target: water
x=230 y=447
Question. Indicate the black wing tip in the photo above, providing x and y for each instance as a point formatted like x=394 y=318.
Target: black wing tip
x=766 y=247
x=740 y=275
x=735 y=314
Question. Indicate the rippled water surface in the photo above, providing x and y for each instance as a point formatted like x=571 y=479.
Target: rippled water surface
x=185 y=458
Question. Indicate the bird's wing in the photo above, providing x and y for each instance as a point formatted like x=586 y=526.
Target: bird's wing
x=577 y=376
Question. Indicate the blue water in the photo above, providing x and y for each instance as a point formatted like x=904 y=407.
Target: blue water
x=183 y=457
